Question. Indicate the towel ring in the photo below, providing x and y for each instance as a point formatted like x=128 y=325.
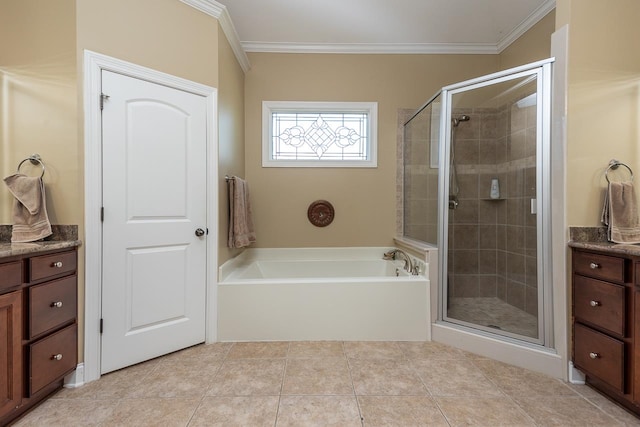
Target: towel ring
x=613 y=165
x=35 y=159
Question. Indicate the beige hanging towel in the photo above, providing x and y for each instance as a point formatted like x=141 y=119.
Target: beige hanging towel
x=241 y=232
x=620 y=213
x=30 y=220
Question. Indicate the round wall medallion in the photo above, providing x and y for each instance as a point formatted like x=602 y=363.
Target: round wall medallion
x=320 y=213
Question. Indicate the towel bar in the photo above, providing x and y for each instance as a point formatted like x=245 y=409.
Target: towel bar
x=613 y=165
x=35 y=159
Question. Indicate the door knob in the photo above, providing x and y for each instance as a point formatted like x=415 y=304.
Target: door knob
x=199 y=232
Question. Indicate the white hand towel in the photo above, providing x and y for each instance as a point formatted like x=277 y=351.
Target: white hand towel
x=620 y=213
x=30 y=220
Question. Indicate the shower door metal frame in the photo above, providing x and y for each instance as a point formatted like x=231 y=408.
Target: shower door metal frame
x=542 y=71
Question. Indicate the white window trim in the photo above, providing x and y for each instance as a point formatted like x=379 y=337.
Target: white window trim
x=300 y=106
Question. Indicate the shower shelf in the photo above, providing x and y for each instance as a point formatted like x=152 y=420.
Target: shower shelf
x=488 y=199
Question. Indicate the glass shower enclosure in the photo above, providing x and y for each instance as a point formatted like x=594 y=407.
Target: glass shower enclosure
x=476 y=182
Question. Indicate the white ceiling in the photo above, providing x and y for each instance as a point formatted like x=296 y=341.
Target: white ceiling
x=383 y=26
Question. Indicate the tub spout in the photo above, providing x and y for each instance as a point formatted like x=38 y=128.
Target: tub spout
x=393 y=254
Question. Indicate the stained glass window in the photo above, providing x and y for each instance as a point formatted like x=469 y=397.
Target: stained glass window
x=312 y=134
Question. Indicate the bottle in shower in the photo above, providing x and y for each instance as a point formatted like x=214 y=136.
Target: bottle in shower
x=495 y=189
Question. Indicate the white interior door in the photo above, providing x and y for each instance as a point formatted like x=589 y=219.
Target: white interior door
x=154 y=198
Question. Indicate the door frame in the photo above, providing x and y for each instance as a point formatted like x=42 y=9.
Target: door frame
x=94 y=63
x=542 y=70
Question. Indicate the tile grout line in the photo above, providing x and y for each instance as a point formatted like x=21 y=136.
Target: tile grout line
x=204 y=395
x=353 y=386
x=429 y=393
x=284 y=373
x=507 y=395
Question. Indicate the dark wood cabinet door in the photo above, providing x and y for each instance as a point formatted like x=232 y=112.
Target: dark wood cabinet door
x=600 y=355
x=601 y=304
x=52 y=357
x=11 y=356
x=51 y=304
x=636 y=346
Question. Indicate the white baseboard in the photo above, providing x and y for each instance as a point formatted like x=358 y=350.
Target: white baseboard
x=575 y=376
x=76 y=378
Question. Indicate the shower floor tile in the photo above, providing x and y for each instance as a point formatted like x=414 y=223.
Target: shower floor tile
x=493 y=313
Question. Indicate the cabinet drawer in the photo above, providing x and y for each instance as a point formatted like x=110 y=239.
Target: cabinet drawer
x=10 y=275
x=599 y=355
x=46 y=266
x=599 y=266
x=600 y=303
x=52 y=357
x=51 y=304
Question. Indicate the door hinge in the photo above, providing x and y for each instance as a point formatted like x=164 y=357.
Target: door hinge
x=102 y=214
x=101 y=325
x=103 y=97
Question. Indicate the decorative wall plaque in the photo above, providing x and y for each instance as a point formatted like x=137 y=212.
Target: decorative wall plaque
x=320 y=213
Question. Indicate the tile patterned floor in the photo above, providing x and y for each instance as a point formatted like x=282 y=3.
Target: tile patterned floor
x=493 y=312
x=327 y=384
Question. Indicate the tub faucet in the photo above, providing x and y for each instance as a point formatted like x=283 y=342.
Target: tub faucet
x=408 y=264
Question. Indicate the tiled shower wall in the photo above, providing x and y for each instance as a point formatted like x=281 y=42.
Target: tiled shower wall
x=418 y=209
x=492 y=243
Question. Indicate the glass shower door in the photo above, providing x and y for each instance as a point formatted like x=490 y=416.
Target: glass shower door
x=495 y=158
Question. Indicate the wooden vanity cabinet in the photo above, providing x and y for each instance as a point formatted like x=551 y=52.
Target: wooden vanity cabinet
x=606 y=331
x=39 y=317
x=11 y=357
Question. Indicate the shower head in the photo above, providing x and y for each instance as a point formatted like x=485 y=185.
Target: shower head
x=462 y=118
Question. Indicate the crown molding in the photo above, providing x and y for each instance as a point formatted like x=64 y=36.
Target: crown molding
x=525 y=25
x=240 y=49
x=219 y=11
x=372 y=48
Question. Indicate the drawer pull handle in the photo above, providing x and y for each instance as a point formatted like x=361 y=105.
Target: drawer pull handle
x=594 y=265
x=594 y=355
x=57 y=264
x=58 y=304
x=594 y=303
x=59 y=356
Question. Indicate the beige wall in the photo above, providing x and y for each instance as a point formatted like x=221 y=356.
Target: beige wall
x=38 y=108
x=230 y=136
x=603 y=116
x=41 y=85
x=139 y=32
x=41 y=77
x=364 y=199
x=165 y=35
x=534 y=45
x=41 y=72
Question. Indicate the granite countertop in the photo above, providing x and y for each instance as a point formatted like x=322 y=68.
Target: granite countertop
x=614 y=248
x=14 y=249
x=595 y=239
x=63 y=237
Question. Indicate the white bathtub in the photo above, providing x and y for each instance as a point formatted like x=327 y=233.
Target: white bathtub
x=349 y=294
